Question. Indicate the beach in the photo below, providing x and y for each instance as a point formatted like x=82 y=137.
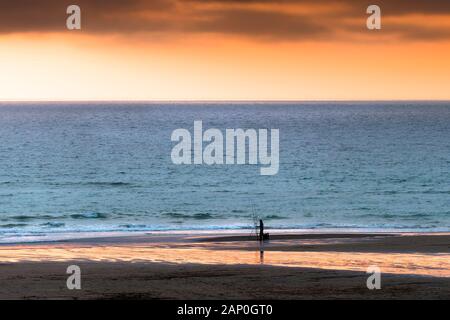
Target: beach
x=230 y=266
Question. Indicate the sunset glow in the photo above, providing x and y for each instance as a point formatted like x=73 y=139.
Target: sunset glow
x=217 y=50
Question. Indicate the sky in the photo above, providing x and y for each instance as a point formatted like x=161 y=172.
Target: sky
x=225 y=50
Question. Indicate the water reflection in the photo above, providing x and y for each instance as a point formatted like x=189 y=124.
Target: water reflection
x=261 y=252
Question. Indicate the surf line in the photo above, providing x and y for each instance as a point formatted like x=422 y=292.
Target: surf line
x=241 y=146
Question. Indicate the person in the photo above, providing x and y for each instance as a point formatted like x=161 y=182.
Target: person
x=261 y=230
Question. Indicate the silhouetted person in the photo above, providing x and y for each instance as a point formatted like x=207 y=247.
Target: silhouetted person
x=261 y=230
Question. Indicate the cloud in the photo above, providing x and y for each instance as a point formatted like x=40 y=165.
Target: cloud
x=259 y=19
x=261 y=24
x=390 y=6
x=50 y=15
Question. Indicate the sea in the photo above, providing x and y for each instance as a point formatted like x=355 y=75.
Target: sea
x=105 y=167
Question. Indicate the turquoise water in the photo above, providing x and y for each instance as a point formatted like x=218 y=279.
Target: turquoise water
x=107 y=167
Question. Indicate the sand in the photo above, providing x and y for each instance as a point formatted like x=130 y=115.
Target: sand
x=293 y=266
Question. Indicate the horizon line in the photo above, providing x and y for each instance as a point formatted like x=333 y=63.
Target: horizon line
x=221 y=101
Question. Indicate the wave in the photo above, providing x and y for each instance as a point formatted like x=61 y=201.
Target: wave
x=28 y=218
x=91 y=215
x=53 y=224
x=13 y=225
x=94 y=183
x=392 y=216
x=436 y=192
x=396 y=192
x=108 y=184
x=196 y=216
x=204 y=216
x=274 y=217
x=133 y=226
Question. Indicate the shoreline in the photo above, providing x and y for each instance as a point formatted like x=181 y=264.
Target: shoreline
x=55 y=237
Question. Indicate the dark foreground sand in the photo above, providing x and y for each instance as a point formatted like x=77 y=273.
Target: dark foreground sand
x=119 y=280
x=186 y=267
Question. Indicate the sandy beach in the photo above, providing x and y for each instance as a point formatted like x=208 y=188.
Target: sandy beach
x=177 y=266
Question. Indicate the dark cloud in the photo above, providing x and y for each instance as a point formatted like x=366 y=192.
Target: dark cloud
x=390 y=6
x=97 y=15
x=416 y=6
x=261 y=24
x=422 y=33
x=249 y=18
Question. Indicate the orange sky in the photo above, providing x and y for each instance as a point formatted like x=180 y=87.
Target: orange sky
x=224 y=50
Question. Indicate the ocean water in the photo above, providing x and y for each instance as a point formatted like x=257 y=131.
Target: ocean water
x=99 y=167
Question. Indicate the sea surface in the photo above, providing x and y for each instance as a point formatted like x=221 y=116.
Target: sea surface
x=106 y=167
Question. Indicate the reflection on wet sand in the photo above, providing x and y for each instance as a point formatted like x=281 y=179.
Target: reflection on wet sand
x=245 y=253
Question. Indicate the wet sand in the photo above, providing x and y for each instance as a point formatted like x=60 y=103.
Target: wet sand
x=292 y=266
